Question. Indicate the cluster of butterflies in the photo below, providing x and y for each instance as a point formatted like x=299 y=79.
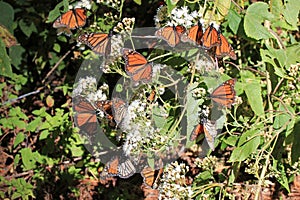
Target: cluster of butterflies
x=211 y=39
x=223 y=95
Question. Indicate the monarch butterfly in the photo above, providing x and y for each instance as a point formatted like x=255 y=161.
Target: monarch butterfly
x=85 y=117
x=196 y=33
x=72 y=19
x=116 y=168
x=99 y=42
x=151 y=96
x=137 y=66
x=225 y=93
x=208 y=127
x=119 y=109
x=171 y=34
x=106 y=108
x=149 y=193
x=150 y=175
x=225 y=49
x=210 y=37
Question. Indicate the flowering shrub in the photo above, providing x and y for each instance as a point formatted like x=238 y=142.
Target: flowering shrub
x=222 y=73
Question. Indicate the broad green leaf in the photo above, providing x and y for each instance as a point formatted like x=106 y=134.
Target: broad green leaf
x=247 y=136
x=27 y=28
x=291 y=12
x=243 y=152
x=7 y=15
x=158 y=114
x=282 y=117
x=293 y=55
x=4 y=61
x=19 y=138
x=171 y=4
x=192 y=110
x=44 y=134
x=252 y=89
x=27 y=159
x=296 y=145
x=223 y=6
x=232 y=140
x=256 y=14
x=34 y=124
x=139 y=2
x=16 y=55
x=76 y=150
x=234 y=20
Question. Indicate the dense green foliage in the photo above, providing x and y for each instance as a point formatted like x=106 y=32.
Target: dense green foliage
x=42 y=155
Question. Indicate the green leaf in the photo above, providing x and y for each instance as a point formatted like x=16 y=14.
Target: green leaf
x=192 y=109
x=232 y=140
x=44 y=134
x=55 y=13
x=234 y=20
x=19 y=138
x=27 y=28
x=4 y=61
x=56 y=47
x=16 y=55
x=34 y=124
x=247 y=136
x=7 y=15
x=291 y=13
x=256 y=14
x=282 y=118
x=243 y=152
x=171 y=4
x=27 y=159
x=252 y=88
x=223 y=6
x=139 y=2
x=296 y=144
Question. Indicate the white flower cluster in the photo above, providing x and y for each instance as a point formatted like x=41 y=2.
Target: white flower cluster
x=179 y=16
x=294 y=70
x=110 y=3
x=117 y=43
x=199 y=92
x=82 y=4
x=173 y=182
x=126 y=26
x=138 y=127
x=87 y=87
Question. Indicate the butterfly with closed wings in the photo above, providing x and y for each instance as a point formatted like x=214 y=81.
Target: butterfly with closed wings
x=224 y=94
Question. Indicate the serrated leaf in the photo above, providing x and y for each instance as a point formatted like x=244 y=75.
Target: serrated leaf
x=256 y=14
x=19 y=138
x=252 y=88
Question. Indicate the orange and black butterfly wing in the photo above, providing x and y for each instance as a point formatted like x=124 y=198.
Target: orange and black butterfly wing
x=225 y=49
x=106 y=108
x=196 y=33
x=126 y=169
x=85 y=117
x=225 y=93
x=210 y=38
x=148 y=175
x=119 y=110
x=210 y=131
x=137 y=66
x=171 y=34
x=199 y=129
x=111 y=168
x=72 y=19
x=99 y=42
